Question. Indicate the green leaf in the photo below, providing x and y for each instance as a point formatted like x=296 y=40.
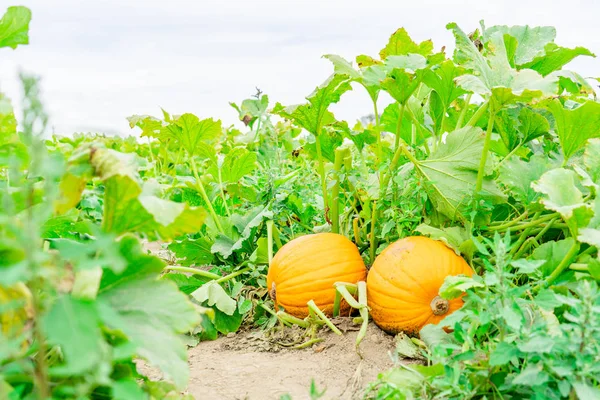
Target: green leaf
x=192 y=251
x=194 y=134
x=591 y=159
x=532 y=124
x=314 y=115
x=74 y=326
x=245 y=227
x=127 y=389
x=150 y=126
x=493 y=75
x=503 y=354
x=555 y=58
x=14 y=27
x=517 y=175
x=575 y=126
x=590 y=236
x=450 y=173
x=150 y=312
x=586 y=391
x=452 y=236
x=401 y=44
x=390 y=120
x=128 y=208
x=552 y=253
x=560 y=191
x=330 y=140
x=537 y=344
x=238 y=163
x=400 y=84
x=214 y=295
x=532 y=375
x=443 y=81
x=531 y=41
x=455 y=286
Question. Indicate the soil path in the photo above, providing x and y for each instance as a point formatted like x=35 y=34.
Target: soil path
x=237 y=368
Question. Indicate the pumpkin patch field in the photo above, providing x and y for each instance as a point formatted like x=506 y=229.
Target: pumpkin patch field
x=442 y=246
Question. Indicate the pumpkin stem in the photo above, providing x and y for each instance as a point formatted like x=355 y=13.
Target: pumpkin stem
x=439 y=306
x=273 y=293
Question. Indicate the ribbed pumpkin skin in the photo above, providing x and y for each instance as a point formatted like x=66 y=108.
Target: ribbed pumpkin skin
x=404 y=280
x=306 y=268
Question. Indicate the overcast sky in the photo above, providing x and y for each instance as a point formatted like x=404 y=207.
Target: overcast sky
x=104 y=60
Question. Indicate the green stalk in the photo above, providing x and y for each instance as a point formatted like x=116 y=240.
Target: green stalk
x=563 y=264
x=343 y=291
x=363 y=310
x=270 y=240
x=478 y=114
x=531 y=224
x=379 y=145
x=399 y=127
x=373 y=239
x=223 y=193
x=484 y=154
x=524 y=236
x=322 y=174
x=290 y=319
x=313 y=308
x=233 y=275
x=356 y=229
x=193 y=271
x=510 y=223
x=202 y=191
x=513 y=151
x=340 y=155
x=463 y=112
x=579 y=267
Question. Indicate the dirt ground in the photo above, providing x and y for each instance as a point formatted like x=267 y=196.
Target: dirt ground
x=246 y=366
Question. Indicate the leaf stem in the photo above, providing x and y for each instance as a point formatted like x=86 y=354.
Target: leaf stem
x=193 y=271
x=340 y=155
x=223 y=193
x=563 y=264
x=484 y=154
x=373 y=238
x=270 y=241
x=233 y=275
x=202 y=191
x=478 y=114
x=313 y=308
x=463 y=112
x=322 y=174
x=399 y=127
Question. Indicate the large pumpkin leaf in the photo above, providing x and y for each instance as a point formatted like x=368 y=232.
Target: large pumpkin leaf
x=400 y=43
x=14 y=27
x=194 y=134
x=493 y=75
x=74 y=326
x=450 y=173
x=575 y=126
x=314 y=115
x=591 y=159
x=129 y=208
x=517 y=175
x=150 y=312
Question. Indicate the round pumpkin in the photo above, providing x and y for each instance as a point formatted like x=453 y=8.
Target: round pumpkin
x=404 y=282
x=306 y=268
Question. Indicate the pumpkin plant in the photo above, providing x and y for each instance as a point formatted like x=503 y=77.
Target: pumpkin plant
x=404 y=283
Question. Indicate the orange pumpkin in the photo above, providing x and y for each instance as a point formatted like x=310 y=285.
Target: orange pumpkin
x=306 y=268
x=404 y=282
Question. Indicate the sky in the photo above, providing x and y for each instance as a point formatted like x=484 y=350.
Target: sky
x=103 y=60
